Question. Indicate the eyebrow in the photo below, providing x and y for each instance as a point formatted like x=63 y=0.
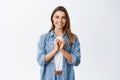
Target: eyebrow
x=62 y=16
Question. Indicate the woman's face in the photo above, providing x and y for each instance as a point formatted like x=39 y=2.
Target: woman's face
x=59 y=19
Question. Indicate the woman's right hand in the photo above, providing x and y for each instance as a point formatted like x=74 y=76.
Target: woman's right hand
x=49 y=55
x=56 y=44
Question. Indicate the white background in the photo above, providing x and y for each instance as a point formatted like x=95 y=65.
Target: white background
x=96 y=22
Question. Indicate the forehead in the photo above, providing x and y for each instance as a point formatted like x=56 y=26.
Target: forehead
x=59 y=13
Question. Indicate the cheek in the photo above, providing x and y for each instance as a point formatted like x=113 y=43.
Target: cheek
x=64 y=20
x=54 y=20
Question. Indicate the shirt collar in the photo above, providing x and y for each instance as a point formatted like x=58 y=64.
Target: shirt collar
x=53 y=35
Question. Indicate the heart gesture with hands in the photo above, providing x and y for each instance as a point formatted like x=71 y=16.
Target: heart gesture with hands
x=59 y=44
x=62 y=44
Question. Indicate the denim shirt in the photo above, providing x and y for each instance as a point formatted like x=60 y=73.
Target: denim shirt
x=47 y=69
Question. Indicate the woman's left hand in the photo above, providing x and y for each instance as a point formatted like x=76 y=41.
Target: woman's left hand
x=62 y=43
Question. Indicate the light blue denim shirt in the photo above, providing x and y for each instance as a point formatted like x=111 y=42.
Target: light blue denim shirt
x=47 y=70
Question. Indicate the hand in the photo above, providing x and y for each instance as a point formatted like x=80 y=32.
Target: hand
x=62 y=44
x=56 y=44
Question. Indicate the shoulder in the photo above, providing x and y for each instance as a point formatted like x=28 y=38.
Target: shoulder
x=44 y=36
x=75 y=39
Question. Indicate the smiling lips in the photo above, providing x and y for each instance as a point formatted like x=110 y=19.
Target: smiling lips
x=60 y=24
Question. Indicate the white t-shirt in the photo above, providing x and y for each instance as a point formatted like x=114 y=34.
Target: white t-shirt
x=58 y=58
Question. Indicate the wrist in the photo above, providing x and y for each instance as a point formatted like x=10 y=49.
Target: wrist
x=55 y=50
x=62 y=49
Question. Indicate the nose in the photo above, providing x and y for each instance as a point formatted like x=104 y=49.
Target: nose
x=60 y=19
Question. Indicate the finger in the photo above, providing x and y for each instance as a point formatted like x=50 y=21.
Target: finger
x=60 y=42
x=56 y=40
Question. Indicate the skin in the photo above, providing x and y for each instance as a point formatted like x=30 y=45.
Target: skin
x=59 y=20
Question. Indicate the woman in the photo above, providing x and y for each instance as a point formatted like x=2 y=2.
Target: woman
x=58 y=49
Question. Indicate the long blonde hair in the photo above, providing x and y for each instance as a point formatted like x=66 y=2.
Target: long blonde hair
x=67 y=28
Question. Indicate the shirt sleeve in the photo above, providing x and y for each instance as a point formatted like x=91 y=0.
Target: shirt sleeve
x=41 y=50
x=75 y=52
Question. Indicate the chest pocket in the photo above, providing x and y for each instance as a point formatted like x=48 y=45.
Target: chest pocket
x=49 y=46
x=68 y=47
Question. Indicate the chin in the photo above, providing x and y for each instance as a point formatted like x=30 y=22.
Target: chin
x=59 y=27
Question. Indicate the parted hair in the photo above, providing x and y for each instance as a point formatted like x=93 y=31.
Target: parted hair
x=67 y=28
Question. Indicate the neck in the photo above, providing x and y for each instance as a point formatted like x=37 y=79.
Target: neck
x=58 y=32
